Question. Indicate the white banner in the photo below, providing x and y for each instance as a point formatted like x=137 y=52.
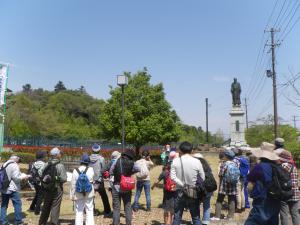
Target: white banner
x=3 y=80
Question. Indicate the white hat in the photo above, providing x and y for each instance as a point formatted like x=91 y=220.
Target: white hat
x=54 y=152
x=198 y=155
x=96 y=148
x=265 y=151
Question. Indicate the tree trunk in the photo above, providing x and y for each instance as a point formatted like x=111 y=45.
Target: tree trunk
x=137 y=151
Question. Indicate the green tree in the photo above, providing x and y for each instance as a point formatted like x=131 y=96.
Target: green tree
x=259 y=133
x=55 y=115
x=27 y=88
x=60 y=87
x=149 y=118
x=192 y=134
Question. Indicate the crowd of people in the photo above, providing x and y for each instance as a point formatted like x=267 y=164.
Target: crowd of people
x=267 y=174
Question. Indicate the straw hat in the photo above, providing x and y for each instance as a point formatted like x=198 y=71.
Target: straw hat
x=265 y=151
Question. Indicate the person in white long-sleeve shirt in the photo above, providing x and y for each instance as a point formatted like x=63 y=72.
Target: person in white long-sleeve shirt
x=13 y=190
x=83 y=202
x=191 y=169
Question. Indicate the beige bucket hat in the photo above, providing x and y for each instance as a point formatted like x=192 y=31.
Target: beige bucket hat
x=265 y=151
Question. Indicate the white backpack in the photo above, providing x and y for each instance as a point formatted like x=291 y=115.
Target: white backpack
x=144 y=171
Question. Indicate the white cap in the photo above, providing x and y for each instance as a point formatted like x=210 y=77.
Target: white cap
x=54 y=152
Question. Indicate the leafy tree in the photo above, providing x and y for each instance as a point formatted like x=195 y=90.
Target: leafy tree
x=259 y=133
x=61 y=115
x=60 y=87
x=27 y=88
x=192 y=134
x=82 y=90
x=149 y=118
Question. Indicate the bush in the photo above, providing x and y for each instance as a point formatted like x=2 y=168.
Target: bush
x=27 y=153
x=25 y=157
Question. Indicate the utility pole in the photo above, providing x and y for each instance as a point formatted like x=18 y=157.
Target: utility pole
x=273 y=45
x=246 y=107
x=295 y=126
x=206 y=101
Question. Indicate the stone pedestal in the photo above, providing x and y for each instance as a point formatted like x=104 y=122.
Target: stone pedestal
x=237 y=126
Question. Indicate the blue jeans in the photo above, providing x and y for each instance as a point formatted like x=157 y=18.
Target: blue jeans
x=140 y=184
x=182 y=202
x=206 y=208
x=264 y=212
x=17 y=203
x=247 y=203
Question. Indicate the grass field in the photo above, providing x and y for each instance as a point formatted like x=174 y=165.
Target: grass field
x=142 y=217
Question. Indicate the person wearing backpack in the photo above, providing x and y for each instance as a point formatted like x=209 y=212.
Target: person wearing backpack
x=143 y=181
x=122 y=170
x=185 y=172
x=244 y=167
x=10 y=179
x=229 y=176
x=290 y=207
x=265 y=206
x=82 y=191
x=98 y=164
x=35 y=171
x=53 y=177
x=210 y=184
x=168 y=193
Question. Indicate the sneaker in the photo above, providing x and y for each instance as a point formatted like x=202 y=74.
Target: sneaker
x=215 y=219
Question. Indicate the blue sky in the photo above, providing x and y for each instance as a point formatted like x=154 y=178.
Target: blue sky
x=194 y=47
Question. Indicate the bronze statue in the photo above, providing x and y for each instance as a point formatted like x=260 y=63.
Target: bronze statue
x=236 y=93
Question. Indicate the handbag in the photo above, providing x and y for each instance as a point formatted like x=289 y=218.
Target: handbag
x=189 y=191
x=127 y=183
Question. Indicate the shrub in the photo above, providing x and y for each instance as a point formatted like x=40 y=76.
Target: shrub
x=25 y=157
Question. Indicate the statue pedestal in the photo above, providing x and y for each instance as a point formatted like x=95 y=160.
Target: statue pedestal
x=237 y=126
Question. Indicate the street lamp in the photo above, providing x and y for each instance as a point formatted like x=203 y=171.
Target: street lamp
x=122 y=81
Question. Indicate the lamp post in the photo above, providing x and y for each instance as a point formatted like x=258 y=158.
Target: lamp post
x=122 y=81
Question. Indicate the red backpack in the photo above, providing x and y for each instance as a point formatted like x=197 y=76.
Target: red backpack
x=126 y=183
x=170 y=185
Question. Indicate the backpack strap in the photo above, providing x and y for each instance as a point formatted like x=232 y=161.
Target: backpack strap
x=182 y=172
x=78 y=171
x=4 y=167
x=121 y=166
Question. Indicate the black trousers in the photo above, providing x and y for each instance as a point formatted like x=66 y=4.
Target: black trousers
x=38 y=199
x=52 y=204
x=104 y=197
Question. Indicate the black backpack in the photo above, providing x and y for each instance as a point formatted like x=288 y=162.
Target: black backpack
x=35 y=178
x=49 y=176
x=281 y=186
x=209 y=183
x=4 y=181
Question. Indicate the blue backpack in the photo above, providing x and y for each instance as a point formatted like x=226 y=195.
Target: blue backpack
x=232 y=173
x=83 y=184
x=4 y=180
x=244 y=166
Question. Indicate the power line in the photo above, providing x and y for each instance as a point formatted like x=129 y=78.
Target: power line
x=284 y=15
x=256 y=74
x=279 y=13
x=258 y=82
x=297 y=20
x=296 y=7
x=271 y=15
